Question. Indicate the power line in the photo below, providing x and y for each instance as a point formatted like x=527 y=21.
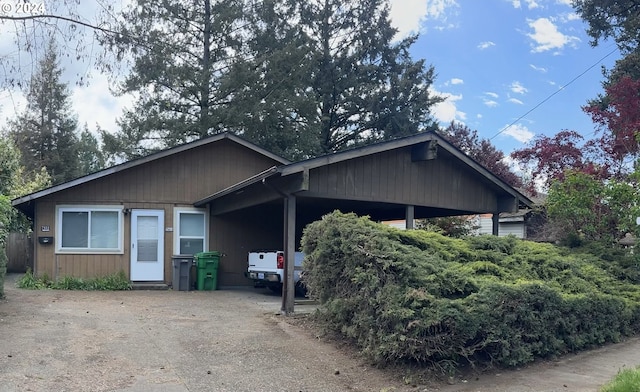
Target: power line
x=554 y=93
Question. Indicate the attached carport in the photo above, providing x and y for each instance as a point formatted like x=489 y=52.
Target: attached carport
x=420 y=176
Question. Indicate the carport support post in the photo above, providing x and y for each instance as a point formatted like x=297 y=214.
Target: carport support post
x=288 y=288
x=409 y=217
x=495 y=220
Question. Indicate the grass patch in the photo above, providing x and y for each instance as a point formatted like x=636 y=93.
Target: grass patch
x=111 y=282
x=627 y=380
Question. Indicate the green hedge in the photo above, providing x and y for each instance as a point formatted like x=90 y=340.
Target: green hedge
x=418 y=296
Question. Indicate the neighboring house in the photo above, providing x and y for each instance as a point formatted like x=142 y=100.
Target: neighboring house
x=223 y=193
x=526 y=223
x=398 y=223
x=508 y=224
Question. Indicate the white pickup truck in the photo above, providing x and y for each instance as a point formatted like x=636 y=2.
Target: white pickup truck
x=266 y=269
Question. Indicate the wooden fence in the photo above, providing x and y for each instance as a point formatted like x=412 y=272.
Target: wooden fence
x=19 y=252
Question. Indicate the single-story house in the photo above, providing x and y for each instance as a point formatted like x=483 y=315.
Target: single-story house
x=526 y=223
x=509 y=223
x=226 y=194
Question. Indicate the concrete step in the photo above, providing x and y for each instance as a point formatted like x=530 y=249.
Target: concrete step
x=149 y=286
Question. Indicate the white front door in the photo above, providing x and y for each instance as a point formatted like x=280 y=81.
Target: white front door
x=147 y=245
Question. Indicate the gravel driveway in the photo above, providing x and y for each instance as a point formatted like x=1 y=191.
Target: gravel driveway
x=53 y=340
x=220 y=341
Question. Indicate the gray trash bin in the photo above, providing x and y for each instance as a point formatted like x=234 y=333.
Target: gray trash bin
x=182 y=265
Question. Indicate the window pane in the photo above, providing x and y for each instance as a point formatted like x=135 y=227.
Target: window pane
x=191 y=246
x=147 y=250
x=147 y=227
x=104 y=229
x=75 y=229
x=191 y=225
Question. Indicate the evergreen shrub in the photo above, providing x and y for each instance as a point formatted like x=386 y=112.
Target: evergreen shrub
x=421 y=297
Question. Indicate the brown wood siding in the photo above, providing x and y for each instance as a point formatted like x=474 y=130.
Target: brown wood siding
x=392 y=177
x=241 y=232
x=174 y=181
x=44 y=255
x=180 y=178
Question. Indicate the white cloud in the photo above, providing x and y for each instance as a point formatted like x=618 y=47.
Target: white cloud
x=518 y=132
x=539 y=69
x=490 y=103
x=518 y=88
x=457 y=81
x=546 y=36
x=436 y=8
x=408 y=15
x=565 y=2
x=531 y=4
x=447 y=111
x=516 y=101
x=91 y=103
x=94 y=104
x=486 y=45
x=566 y=17
x=491 y=94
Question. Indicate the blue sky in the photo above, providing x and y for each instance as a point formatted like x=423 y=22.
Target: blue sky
x=495 y=60
x=498 y=59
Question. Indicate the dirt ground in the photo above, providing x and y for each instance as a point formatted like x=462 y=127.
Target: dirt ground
x=221 y=341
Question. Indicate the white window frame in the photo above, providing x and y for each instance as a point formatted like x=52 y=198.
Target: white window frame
x=177 y=211
x=89 y=209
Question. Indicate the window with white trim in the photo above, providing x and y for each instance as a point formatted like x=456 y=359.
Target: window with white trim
x=89 y=229
x=190 y=231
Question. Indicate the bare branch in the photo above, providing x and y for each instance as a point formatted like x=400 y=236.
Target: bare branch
x=58 y=17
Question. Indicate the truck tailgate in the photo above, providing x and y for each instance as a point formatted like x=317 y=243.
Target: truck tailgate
x=263 y=261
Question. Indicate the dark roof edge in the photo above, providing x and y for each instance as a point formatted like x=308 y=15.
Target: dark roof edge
x=251 y=180
x=357 y=152
x=399 y=143
x=149 y=158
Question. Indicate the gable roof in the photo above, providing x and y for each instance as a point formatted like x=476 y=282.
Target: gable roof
x=21 y=201
x=371 y=149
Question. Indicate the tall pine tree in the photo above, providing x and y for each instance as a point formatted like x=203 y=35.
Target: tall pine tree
x=45 y=133
x=299 y=78
x=328 y=75
x=179 y=51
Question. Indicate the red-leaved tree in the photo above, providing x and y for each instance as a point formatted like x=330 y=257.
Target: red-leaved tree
x=549 y=157
x=619 y=114
x=482 y=151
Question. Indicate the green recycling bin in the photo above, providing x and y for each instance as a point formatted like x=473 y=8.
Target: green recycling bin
x=207 y=270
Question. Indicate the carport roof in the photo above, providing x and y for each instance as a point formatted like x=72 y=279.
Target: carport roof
x=428 y=139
